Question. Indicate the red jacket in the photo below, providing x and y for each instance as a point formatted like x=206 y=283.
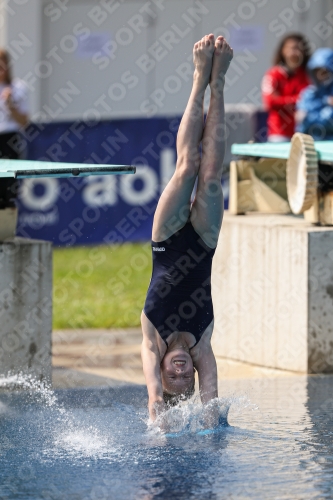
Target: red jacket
x=280 y=91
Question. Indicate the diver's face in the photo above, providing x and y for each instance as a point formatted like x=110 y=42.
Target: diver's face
x=177 y=372
x=322 y=75
x=292 y=54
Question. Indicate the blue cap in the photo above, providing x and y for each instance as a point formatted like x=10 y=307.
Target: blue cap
x=321 y=58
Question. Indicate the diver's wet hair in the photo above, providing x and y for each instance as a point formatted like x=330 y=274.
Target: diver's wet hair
x=174 y=399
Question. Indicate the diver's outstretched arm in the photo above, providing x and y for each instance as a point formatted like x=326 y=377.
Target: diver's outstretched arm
x=151 y=362
x=207 y=373
x=205 y=364
x=152 y=372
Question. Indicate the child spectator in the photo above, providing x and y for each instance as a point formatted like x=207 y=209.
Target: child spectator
x=282 y=85
x=315 y=107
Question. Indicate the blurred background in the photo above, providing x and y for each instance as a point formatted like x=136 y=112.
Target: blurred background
x=107 y=82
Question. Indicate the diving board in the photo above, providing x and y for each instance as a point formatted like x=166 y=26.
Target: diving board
x=324 y=150
x=286 y=177
x=11 y=170
x=22 y=169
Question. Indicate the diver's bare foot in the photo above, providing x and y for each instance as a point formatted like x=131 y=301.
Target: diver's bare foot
x=222 y=57
x=203 y=52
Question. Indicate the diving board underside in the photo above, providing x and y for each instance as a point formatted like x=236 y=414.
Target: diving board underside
x=20 y=169
x=324 y=150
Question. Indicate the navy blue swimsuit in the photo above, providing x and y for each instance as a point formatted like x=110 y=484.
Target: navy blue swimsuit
x=179 y=294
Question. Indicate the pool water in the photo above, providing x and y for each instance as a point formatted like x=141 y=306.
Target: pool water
x=95 y=444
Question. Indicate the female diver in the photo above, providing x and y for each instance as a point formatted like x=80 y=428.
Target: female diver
x=177 y=319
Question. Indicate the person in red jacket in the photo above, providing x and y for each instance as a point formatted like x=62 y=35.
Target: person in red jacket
x=282 y=85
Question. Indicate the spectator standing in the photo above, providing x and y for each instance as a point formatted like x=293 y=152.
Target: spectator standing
x=282 y=85
x=13 y=116
x=315 y=108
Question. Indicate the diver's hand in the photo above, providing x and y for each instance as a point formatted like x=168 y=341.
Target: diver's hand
x=156 y=407
x=329 y=100
x=211 y=414
x=162 y=421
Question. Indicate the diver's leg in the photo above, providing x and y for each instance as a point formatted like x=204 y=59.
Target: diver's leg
x=173 y=208
x=207 y=210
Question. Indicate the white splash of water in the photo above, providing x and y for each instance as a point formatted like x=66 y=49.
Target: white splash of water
x=69 y=437
x=193 y=417
x=82 y=442
x=29 y=383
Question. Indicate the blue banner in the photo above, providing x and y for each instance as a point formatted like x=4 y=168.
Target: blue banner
x=97 y=209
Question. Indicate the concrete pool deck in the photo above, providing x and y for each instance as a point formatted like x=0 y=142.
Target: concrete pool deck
x=99 y=357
